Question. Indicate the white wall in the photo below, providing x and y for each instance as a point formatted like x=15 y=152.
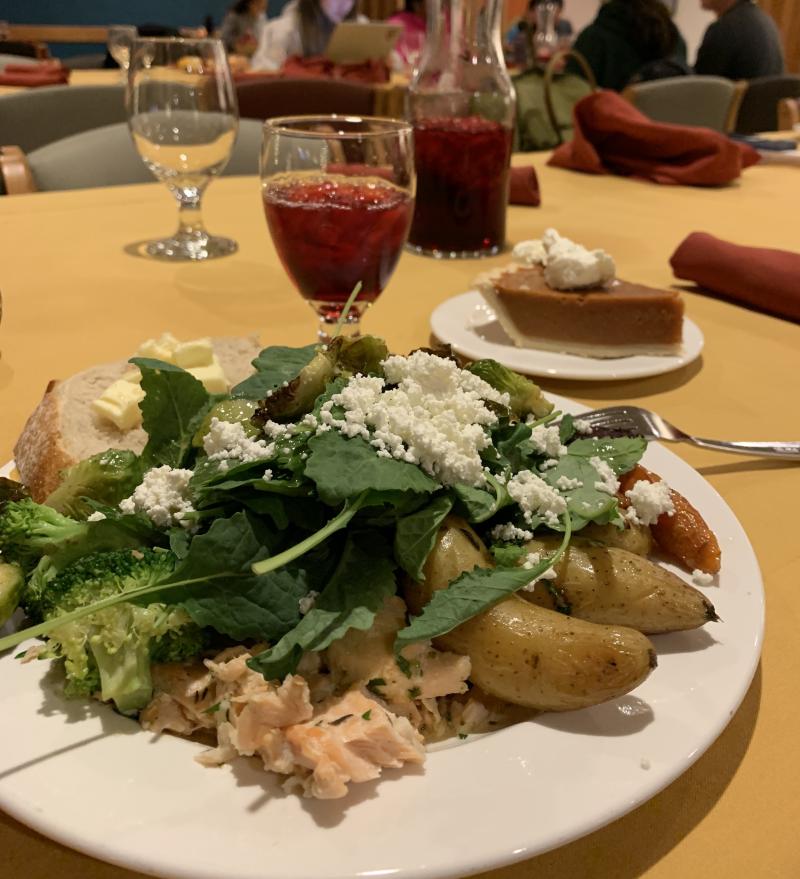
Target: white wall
x=690 y=18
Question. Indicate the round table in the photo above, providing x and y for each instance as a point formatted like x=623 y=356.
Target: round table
x=73 y=296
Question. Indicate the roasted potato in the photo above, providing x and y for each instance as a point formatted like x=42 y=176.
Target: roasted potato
x=526 y=654
x=604 y=584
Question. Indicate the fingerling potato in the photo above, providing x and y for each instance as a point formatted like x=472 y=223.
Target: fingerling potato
x=605 y=584
x=637 y=539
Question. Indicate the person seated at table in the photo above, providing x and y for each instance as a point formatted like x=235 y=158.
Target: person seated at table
x=304 y=28
x=242 y=26
x=409 y=45
x=518 y=39
x=742 y=43
x=628 y=38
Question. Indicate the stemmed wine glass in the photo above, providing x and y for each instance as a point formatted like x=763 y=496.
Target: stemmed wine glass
x=120 y=40
x=338 y=196
x=183 y=117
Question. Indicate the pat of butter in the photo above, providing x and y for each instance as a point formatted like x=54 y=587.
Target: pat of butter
x=212 y=376
x=120 y=404
x=198 y=352
x=159 y=349
x=132 y=375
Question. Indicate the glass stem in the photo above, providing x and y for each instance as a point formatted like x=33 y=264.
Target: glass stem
x=190 y=217
x=350 y=328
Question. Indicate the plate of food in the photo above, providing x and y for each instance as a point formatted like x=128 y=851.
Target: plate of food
x=354 y=615
x=559 y=310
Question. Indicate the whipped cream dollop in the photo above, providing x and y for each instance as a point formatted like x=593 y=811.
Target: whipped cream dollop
x=567 y=265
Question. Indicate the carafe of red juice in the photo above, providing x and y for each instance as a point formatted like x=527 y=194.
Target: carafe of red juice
x=461 y=104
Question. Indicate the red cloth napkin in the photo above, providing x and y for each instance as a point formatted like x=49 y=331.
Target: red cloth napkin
x=35 y=80
x=612 y=136
x=367 y=72
x=524 y=187
x=40 y=67
x=762 y=277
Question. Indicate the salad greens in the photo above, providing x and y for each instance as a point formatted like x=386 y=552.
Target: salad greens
x=297 y=537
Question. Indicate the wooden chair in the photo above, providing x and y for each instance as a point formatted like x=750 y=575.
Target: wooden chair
x=788 y=114
x=103 y=157
x=58 y=33
x=707 y=101
x=271 y=96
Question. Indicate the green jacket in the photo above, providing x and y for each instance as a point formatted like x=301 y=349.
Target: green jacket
x=611 y=46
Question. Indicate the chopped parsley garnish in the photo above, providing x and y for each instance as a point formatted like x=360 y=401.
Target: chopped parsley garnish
x=403 y=664
x=414 y=693
x=462 y=735
x=367 y=714
x=373 y=685
x=213 y=708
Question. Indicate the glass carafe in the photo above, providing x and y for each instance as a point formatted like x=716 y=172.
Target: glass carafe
x=461 y=104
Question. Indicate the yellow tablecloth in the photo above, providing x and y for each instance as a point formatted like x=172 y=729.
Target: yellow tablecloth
x=73 y=297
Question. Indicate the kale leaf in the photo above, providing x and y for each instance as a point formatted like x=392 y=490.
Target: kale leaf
x=415 y=536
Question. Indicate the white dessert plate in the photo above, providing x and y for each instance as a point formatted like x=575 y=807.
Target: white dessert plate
x=93 y=780
x=468 y=324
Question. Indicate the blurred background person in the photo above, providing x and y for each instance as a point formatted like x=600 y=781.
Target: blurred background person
x=242 y=25
x=408 y=47
x=519 y=38
x=304 y=28
x=742 y=43
x=628 y=40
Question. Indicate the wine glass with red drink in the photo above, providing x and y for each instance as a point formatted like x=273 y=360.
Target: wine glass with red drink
x=338 y=195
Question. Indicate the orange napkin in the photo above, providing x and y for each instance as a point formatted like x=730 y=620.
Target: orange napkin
x=612 y=136
x=764 y=278
x=524 y=187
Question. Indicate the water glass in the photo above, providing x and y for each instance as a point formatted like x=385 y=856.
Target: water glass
x=183 y=117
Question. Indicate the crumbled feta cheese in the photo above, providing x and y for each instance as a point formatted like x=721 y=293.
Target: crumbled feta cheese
x=434 y=415
x=548 y=464
x=227 y=440
x=509 y=533
x=531 y=560
x=608 y=481
x=267 y=477
x=701 y=578
x=535 y=497
x=96 y=516
x=548 y=441
x=581 y=425
x=567 y=483
x=649 y=500
x=307 y=602
x=163 y=496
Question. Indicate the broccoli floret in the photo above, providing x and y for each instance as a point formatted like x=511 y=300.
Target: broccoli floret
x=112 y=649
x=526 y=397
x=29 y=530
x=12 y=581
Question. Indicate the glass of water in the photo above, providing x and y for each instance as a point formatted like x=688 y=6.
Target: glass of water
x=120 y=41
x=183 y=117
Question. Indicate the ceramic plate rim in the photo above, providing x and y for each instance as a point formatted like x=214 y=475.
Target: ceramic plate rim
x=451 y=861
x=449 y=323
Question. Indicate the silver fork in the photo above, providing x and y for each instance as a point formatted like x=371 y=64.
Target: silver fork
x=634 y=421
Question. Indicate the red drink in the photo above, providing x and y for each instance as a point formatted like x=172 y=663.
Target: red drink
x=333 y=230
x=462 y=184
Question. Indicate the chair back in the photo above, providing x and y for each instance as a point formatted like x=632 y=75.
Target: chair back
x=107 y=157
x=706 y=101
x=284 y=96
x=36 y=117
x=788 y=114
x=23 y=49
x=759 y=108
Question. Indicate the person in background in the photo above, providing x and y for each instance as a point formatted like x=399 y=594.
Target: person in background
x=742 y=43
x=627 y=37
x=241 y=27
x=304 y=28
x=408 y=47
x=518 y=38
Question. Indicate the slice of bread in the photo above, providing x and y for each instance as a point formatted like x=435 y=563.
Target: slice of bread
x=64 y=429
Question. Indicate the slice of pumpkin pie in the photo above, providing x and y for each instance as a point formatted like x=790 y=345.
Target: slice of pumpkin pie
x=559 y=296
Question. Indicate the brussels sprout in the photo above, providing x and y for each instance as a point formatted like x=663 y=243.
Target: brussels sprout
x=526 y=396
x=12 y=581
x=107 y=478
x=237 y=411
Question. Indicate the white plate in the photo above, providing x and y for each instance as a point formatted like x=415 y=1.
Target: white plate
x=468 y=324
x=95 y=781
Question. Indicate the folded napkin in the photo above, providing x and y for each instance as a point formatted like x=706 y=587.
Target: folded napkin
x=524 y=187
x=762 y=277
x=35 y=80
x=40 y=67
x=368 y=72
x=612 y=136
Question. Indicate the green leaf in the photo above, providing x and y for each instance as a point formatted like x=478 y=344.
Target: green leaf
x=415 y=536
x=566 y=429
x=274 y=366
x=621 y=453
x=343 y=468
x=363 y=580
x=474 y=504
x=470 y=594
x=506 y=555
x=175 y=403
